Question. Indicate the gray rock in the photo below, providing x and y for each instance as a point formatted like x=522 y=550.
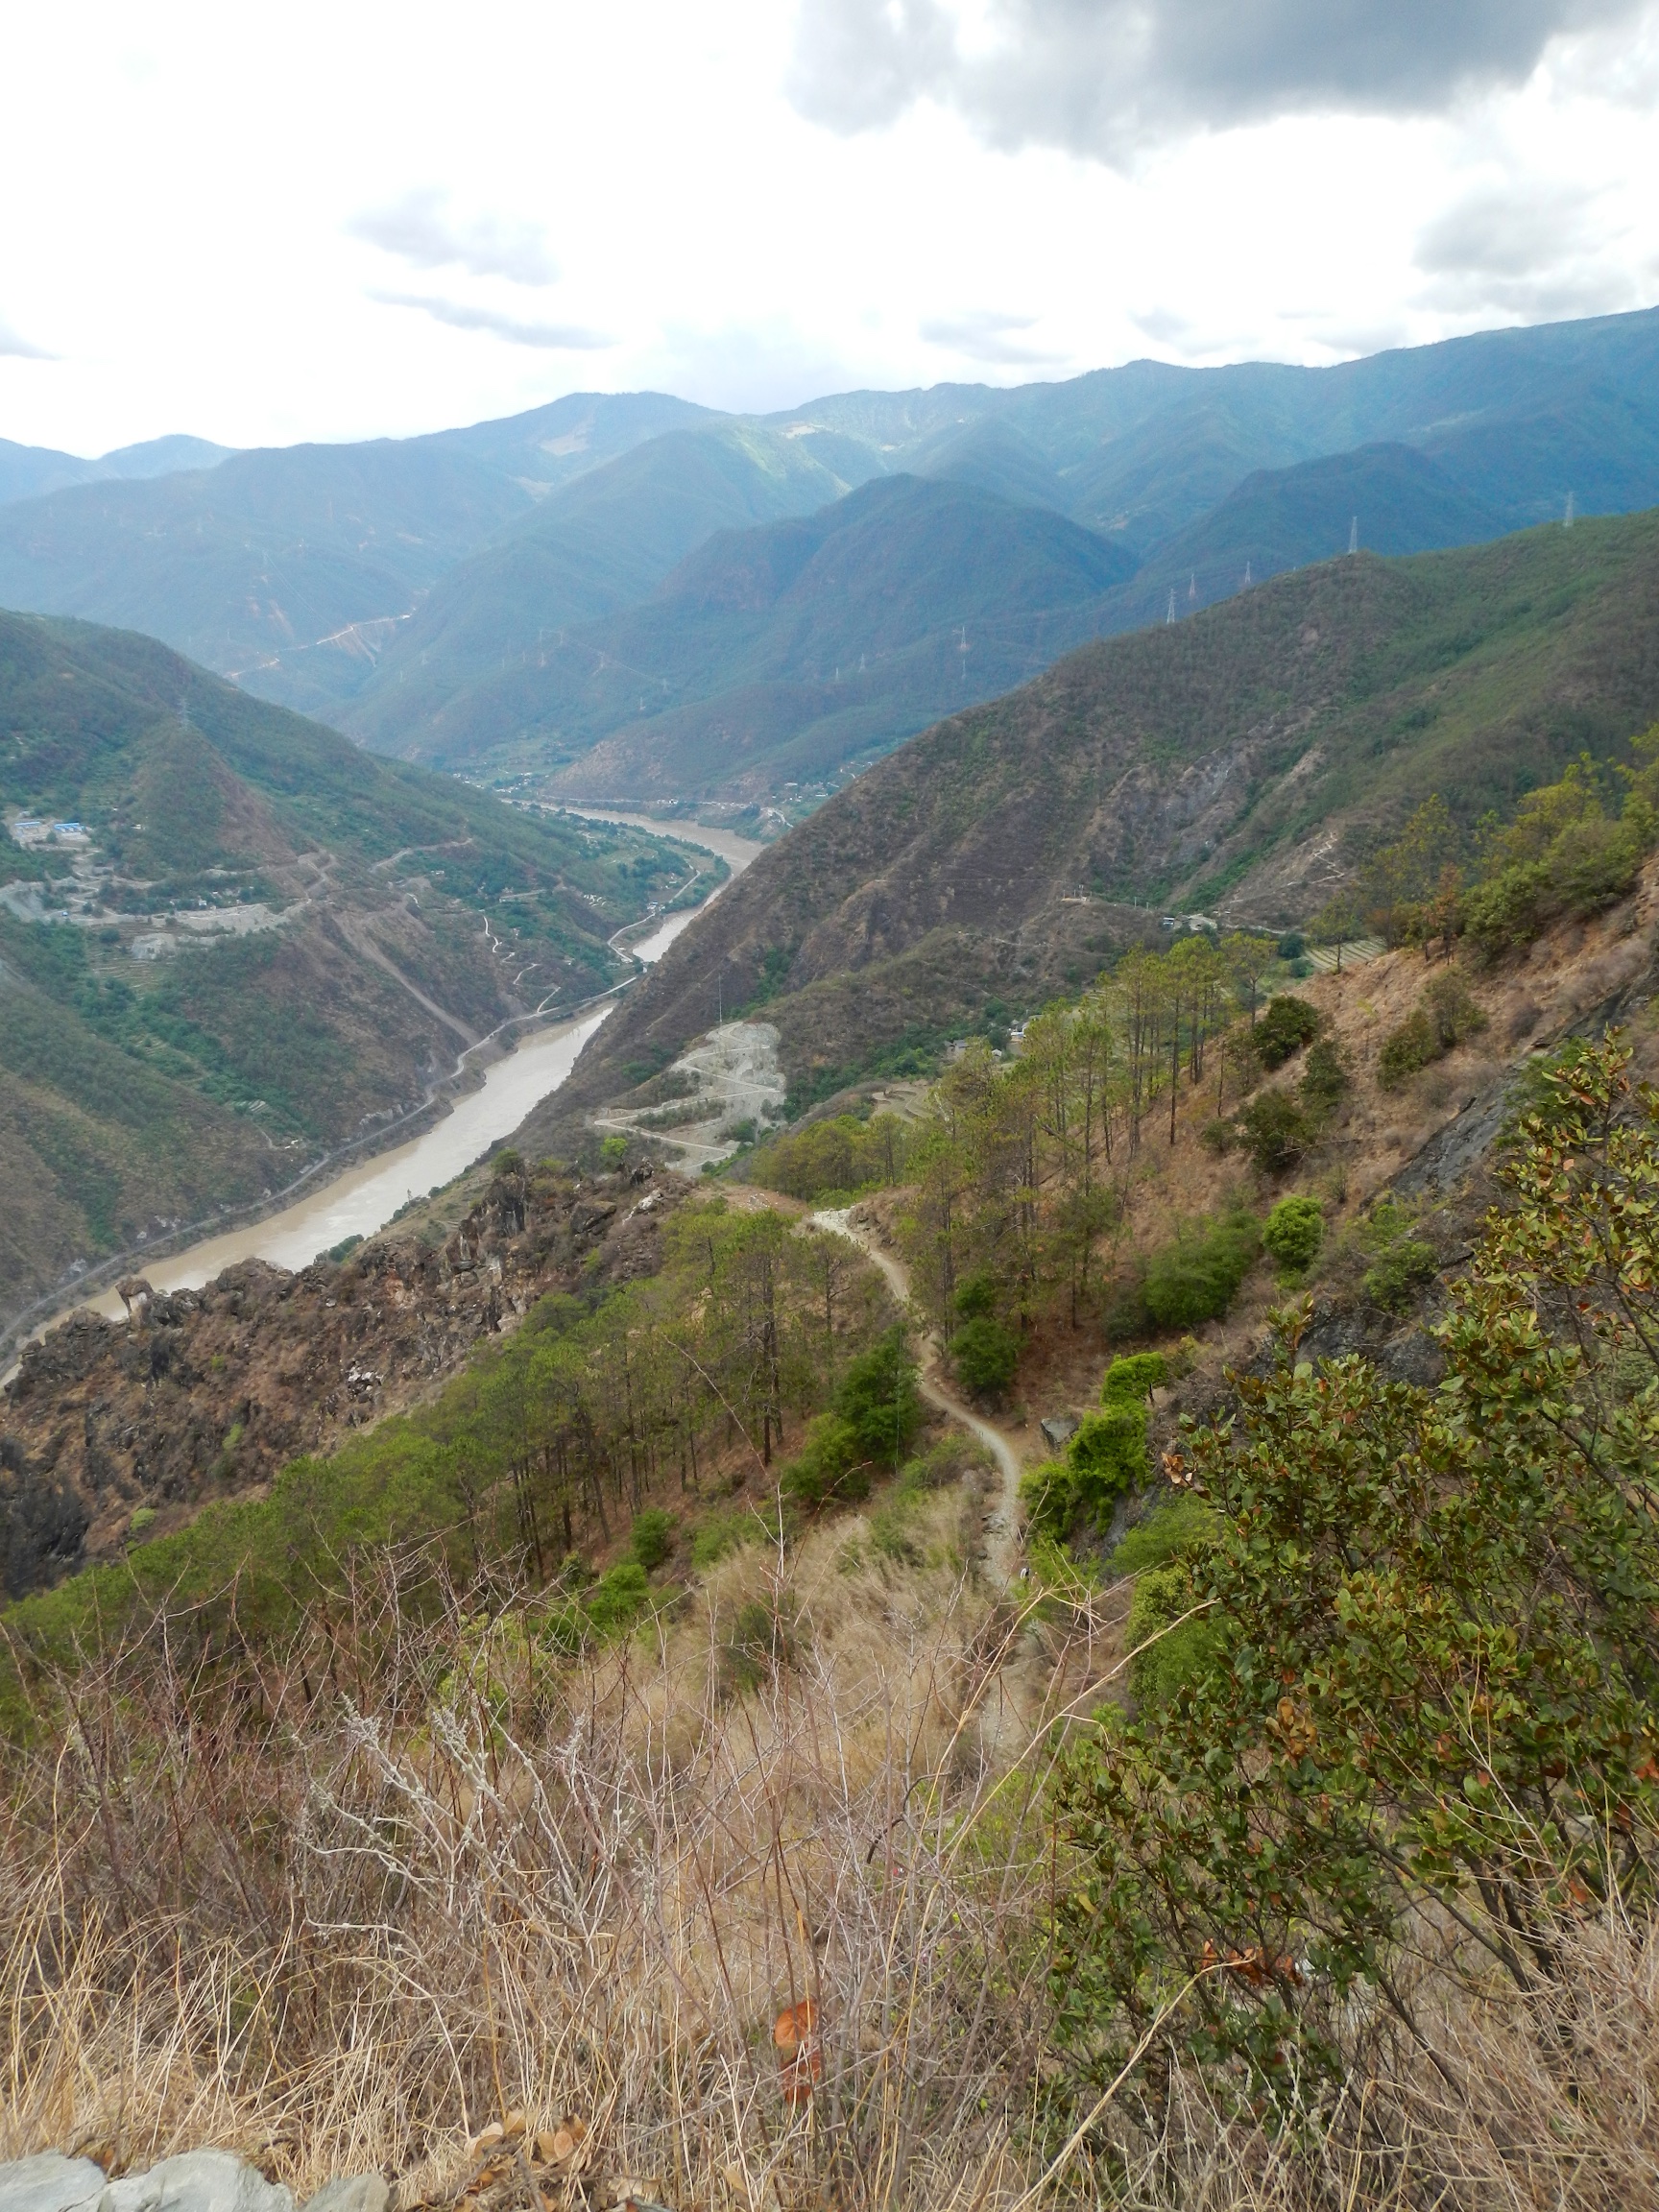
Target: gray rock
x=352 y=2193
x=199 y=2181
x=49 y=2183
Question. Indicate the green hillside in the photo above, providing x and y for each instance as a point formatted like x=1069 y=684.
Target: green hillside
x=454 y=557
x=463 y=674
x=1240 y=764
x=1278 y=518
x=289 y=568
x=776 y=655
x=267 y=944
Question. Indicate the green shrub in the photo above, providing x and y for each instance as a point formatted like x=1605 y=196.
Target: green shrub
x=1293 y=1233
x=1045 y=1492
x=1175 y=1531
x=943 y=1463
x=830 y=1464
x=1179 y=1656
x=1591 y=864
x=1197 y=1277
x=893 y=1533
x=1105 y=1459
x=1274 y=1131
x=1444 y=1017
x=618 y=1598
x=1286 y=1023
x=1107 y=1454
x=877 y=1401
x=1401 y=1263
x=721 y=1534
x=614 y=1151
x=758 y=1642
x=1324 y=1082
x=1134 y=1376
x=1563 y=856
x=985 y=1355
x=1452 y=1011
x=1406 y=1049
x=977 y=1296
x=838 y=1155
x=1399 y=1272
x=652 y=1537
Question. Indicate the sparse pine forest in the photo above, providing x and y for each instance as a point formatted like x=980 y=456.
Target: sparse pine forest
x=1285 y=1834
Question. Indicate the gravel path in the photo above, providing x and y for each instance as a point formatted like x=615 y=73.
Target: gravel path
x=1002 y=1532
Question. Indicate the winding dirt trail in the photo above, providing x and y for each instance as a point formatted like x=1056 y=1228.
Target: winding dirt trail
x=1003 y=1531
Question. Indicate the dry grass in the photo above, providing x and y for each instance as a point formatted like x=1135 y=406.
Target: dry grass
x=338 y=1925
x=334 y=1931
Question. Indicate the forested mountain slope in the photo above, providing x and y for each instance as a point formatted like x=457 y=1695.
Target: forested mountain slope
x=288 y=568
x=297 y=570
x=1201 y=479
x=1240 y=763
x=774 y=655
x=247 y=943
x=466 y=671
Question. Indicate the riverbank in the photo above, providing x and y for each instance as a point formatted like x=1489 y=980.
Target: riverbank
x=430 y=1146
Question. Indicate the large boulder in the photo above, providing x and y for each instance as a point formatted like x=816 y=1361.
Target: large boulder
x=49 y=2183
x=197 y=2181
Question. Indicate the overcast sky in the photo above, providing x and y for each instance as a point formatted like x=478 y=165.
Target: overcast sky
x=336 y=221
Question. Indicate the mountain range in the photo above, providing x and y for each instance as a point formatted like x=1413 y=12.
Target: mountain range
x=774 y=655
x=437 y=596
x=28 y=471
x=1240 y=764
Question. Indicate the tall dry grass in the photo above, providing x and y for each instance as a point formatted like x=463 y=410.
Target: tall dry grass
x=336 y=1905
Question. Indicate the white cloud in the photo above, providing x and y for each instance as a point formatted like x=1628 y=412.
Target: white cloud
x=988 y=335
x=1110 y=78
x=204 y=231
x=515 y=330
x=1527 y=249
x=419 y=229
x=19 y=348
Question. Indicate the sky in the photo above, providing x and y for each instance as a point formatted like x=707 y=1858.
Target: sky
x=353 y=220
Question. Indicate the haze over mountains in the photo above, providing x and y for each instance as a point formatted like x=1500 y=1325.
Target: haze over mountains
x=27 y=471
x=470 y=598
x=774 y=655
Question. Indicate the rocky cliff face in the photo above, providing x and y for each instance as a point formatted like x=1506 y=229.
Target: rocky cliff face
x=110 y=1428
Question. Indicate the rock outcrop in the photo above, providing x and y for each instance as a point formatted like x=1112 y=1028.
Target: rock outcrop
x=112 y=1430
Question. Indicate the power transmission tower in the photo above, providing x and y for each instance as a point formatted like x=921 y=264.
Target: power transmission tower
x=1170 y=616
x=1353 y=535
x=1567 y=519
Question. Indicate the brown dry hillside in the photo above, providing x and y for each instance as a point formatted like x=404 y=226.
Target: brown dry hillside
x=1239 y=763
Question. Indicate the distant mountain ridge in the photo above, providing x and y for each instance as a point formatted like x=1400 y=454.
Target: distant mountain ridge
x=600 y=544
x=771 y=655
x=1240 y=764
x=27 y=471
x=381 y=581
